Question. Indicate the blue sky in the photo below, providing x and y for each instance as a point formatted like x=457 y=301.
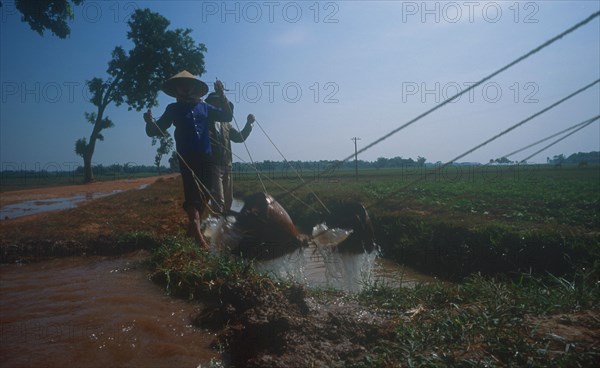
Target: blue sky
x=316 y=74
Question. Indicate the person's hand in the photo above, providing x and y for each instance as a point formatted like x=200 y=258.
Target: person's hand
x=148 y=116
x=219 y=88
x=250 y=119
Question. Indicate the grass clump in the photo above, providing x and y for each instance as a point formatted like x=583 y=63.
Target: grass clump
x=187 y=271
x=531 y=321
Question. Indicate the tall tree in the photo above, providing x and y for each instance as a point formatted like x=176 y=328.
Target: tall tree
x=135 y=77
x=165 y=145
x=52 y=15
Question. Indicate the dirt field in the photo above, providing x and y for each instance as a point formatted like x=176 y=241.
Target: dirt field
x=72 y=190
x=262 y=325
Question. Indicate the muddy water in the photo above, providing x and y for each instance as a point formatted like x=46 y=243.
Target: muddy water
x=94 y=312
x=33 y=207
x=320 y=265
x=324 y=268
x=46 y=205
x=100 y=312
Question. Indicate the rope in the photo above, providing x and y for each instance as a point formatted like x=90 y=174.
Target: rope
x=250 y=156
x=560 y=139
x=524 y=121
x=290 y=165
x=258 y=173
x=443 y=103
x=491 y=139
x=197 y=181
x=586 y=122
x=545 y=44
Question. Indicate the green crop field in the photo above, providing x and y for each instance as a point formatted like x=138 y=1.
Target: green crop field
x=455 y=220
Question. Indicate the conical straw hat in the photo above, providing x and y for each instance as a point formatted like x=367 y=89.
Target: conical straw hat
x=185 y=78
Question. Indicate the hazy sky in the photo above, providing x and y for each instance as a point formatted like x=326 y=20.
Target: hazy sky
x=315 y=75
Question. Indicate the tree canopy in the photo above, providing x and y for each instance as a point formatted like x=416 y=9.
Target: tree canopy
x=135 y=77
x=52 y=15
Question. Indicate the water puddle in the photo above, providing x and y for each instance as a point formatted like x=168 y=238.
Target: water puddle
x=33 y=207
x=320 y=265
x=94 y=312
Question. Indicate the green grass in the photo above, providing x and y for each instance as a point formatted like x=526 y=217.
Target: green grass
x=187 y=271
x=525 y=250
x=524 y=193
x=482 y=322
x=454 y=221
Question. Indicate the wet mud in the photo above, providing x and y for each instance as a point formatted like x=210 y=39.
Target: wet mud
x=263 y=325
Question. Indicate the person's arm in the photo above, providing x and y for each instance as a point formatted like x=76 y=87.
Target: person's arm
x=239 y=137
x=225 y=113
x=155 y=128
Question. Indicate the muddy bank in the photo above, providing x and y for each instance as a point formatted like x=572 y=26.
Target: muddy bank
x=453 y=250
x=125 y=221
x=16 y=196
x=263 y=325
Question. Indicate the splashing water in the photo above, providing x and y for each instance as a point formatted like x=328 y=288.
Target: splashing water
x=318 y=265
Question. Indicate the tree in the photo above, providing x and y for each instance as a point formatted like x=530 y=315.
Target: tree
x=503 y=160
x=135 y=77
x=52 y=15
x=165 y=146
x=85 y=149
x=174 y=162
x=381 y=162
x=558 y=159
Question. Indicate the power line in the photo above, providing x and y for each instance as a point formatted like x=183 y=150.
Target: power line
x=493 y=138
x=504 y=68
x=585 y=122
x=355 y=156
x=524 y=121
x=542 y=46
x=561 y=138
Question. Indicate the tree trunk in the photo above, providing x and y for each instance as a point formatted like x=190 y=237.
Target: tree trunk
x=91 y=147
x=88 y=174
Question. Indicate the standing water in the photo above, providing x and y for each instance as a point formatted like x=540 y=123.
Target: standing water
x=101 y=311
x=320 y=264
x=94 y=312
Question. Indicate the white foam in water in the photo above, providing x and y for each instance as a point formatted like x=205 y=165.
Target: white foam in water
x=323 y=236
x=348 y=271
x=221 y=233
x=319 y=265
x=287 y=267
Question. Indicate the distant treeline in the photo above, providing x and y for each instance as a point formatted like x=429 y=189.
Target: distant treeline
x=12 y=177
x=381 y=162
x=131 y=170
x=576 y=158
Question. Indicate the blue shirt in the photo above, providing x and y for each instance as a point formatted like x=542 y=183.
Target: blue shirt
x=191 y=121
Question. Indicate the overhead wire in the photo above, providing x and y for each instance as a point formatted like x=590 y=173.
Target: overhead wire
x=560 y=139
x=580 y=90
x=525 y=121
x=585 y=122
x=448 y=100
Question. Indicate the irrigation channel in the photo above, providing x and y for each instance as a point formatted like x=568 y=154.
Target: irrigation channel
x=104 y=311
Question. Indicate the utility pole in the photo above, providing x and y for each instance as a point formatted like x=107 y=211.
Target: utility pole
x=355 y=156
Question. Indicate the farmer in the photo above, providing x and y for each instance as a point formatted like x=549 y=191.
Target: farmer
x=191 y=118
x=221 y=136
